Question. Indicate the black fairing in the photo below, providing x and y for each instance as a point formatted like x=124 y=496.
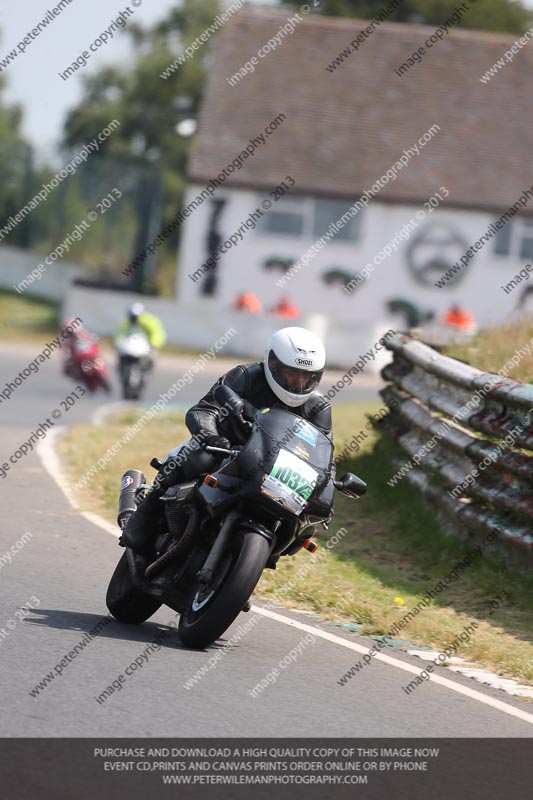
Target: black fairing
x=320 y=505
x=241 y=478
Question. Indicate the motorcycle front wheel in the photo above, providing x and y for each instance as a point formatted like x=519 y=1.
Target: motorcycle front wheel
x=104 y=383
x=210 y=611
x=124 y=373
x=124 y=600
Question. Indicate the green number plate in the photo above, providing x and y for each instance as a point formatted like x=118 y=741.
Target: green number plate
x=291 y=481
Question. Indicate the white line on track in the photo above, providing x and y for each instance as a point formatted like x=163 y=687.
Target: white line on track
x=396 y=662
x=101 y=414
x=52 y=464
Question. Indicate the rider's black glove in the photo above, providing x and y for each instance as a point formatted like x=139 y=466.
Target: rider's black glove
x=216 y=441
x=249 y=411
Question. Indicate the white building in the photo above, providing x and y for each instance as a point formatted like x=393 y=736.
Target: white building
x=334 y=134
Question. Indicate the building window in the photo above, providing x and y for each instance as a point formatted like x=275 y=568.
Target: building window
x=502 y=245
x=515 y=240
x=309 y=218
x=328 y=211
x=286 y=218
x=526 y=245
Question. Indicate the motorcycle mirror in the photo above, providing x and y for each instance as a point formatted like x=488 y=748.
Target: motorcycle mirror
x=230 y=399
x=351 y=485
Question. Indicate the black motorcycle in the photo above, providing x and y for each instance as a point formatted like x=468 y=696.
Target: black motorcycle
x=218 y=532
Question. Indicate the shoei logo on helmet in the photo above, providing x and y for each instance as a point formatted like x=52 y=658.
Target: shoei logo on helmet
x=126 y=481
x=304 y=362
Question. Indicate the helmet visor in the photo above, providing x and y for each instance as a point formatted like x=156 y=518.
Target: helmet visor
x=293 y=379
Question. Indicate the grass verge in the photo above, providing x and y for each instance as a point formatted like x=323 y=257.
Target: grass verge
x=492 y=348
x=25 y=318
x=393 y=553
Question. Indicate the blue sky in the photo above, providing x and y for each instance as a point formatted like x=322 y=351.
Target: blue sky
x=33 y=80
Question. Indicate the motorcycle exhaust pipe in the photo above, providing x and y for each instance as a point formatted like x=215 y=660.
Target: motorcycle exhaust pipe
x=131 y=480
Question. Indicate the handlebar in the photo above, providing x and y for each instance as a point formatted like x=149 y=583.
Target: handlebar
x=225 y=450
x=350 y=485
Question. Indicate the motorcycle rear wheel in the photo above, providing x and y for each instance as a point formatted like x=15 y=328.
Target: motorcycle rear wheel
x=208 y=613
x=124 y=600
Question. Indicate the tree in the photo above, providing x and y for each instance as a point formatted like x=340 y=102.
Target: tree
x=504 y=16
x=148 y=106
x=14 y=157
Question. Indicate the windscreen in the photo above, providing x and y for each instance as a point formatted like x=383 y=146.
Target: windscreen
x=296 y=435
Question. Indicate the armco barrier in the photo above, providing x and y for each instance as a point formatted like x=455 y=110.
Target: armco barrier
x=466 y=440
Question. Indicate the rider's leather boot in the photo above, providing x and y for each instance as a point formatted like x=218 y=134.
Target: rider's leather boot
x=139 y=529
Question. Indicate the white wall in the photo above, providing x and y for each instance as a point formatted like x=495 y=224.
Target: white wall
x=16 y=265
x=240 y=268
x=196 y=324
x=199 y=325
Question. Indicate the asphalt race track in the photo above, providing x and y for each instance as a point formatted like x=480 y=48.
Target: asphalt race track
x=66 y=566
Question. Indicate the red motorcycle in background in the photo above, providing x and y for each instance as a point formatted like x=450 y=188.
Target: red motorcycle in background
x=83 y=361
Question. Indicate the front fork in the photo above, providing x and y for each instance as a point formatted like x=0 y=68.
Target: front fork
x=206 y=574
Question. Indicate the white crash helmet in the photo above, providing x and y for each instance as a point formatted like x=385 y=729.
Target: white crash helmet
x=294 y=363
x=135 y=311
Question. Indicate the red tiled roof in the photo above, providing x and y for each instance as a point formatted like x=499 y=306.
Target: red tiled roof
x=345 y=128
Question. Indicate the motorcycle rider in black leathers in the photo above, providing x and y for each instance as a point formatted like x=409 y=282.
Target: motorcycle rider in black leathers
x=292 y=369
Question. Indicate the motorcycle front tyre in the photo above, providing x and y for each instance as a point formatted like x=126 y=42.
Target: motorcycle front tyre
x=209 y=613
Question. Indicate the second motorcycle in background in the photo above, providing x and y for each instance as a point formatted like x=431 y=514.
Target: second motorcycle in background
x=138 y=338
